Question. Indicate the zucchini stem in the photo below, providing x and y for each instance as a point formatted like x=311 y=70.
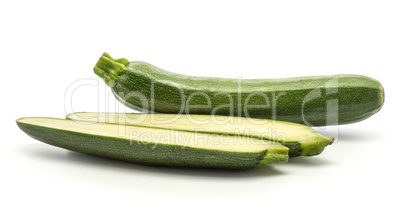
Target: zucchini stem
x=109 y=69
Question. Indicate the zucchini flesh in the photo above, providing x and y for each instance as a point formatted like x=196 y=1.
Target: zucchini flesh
x=314 y=100
x=300 y=139
x=154 y=146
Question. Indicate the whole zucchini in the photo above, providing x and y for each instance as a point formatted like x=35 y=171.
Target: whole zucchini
x=314 y=101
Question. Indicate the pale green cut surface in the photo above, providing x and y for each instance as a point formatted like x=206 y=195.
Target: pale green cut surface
x=260 y=128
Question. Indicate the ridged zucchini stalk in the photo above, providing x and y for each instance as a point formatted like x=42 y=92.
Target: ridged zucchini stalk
x=314 y=101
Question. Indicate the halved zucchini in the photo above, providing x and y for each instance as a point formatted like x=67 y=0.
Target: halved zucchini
x=154 y=146
x=300 y=139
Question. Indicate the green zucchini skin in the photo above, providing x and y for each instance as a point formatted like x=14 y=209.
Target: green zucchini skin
x=314 y=100
x=148 y=153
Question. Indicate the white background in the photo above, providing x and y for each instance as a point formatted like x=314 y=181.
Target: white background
x=45 y=46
